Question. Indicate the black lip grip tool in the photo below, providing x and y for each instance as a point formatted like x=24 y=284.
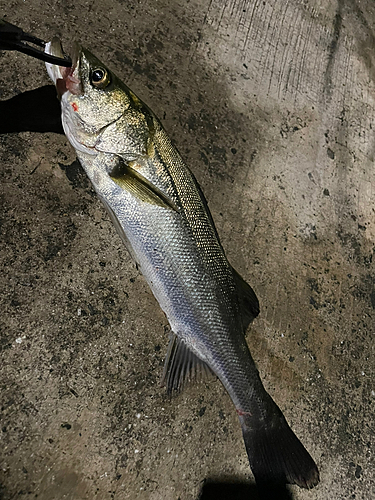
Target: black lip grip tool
x=14 y=38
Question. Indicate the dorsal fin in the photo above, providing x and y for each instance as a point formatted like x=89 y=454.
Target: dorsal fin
x=249 y=303
x=182 y=366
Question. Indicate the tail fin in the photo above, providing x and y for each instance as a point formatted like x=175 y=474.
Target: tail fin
x=276 y=455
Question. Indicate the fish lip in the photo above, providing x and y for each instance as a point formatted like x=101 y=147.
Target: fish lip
x=65 y=79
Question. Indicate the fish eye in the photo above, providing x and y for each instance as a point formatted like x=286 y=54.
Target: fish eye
x=100 y=78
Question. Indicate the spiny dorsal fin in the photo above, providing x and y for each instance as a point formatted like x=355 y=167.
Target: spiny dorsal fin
x=182 y=366
x=249 y=303
x=135 y=183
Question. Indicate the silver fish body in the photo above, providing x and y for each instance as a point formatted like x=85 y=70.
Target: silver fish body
x=162 y=216
x=183 y=263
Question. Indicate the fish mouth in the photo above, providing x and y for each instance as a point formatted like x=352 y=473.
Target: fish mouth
x=65 y=79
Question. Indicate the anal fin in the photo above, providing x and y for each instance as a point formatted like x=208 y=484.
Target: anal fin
x=182 y=366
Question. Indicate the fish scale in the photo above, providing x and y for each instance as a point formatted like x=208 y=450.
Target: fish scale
x=162 y=216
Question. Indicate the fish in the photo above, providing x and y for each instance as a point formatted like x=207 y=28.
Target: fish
x=162 y=216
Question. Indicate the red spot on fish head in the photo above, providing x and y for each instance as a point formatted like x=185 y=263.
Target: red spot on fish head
x=74 y=106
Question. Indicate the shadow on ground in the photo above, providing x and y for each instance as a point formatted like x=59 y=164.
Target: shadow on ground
x=235 y=490
x=37 y=110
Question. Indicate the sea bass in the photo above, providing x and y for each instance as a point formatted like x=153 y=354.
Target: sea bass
x=161 y=214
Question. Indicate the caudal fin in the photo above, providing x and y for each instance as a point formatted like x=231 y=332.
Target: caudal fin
x=276 y=455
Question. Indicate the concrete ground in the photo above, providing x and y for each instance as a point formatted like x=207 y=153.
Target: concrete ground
x=271 y=103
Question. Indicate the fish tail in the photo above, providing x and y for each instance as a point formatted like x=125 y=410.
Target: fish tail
x=276 y=455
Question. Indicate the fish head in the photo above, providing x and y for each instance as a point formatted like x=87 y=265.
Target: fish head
x=99 y=112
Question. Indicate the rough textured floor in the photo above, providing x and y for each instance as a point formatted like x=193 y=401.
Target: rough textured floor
x=271 y=103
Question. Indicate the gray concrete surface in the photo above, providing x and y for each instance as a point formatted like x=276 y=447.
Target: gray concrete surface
x=271 y=103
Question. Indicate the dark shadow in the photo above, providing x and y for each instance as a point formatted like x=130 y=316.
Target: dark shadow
x=237 y=490
x=33 y=111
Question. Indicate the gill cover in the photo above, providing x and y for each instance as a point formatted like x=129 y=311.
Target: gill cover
x=107 y=108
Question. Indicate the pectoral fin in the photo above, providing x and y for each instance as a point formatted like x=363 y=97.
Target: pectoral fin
x=182 y=366
x=135 y=183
